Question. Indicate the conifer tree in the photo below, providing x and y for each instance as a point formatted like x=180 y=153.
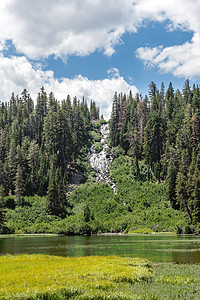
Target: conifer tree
x=56 y=196
x=2 y=207
x=187 y=92
x=162 y=94
x=34 y=165
x=19 y=185
x=170 y=102
x=196 y=196
x=172 y=170
x=154 y=142
x=182 y=192
x=12 y=165
x=114 y=133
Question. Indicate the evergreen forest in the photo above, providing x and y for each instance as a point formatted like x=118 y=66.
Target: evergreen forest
x=48 y=186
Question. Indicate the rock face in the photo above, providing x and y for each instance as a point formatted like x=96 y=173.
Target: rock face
x=100 y=161
x=76 y=178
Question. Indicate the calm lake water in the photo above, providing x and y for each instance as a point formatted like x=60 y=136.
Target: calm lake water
x=178 y=249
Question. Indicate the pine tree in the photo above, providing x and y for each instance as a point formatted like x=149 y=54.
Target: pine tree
x=56 y=195
x=114 y=133
x=152 y=90
x=19 y=185
x=2 y=174
x=171 y=179
x=34 y=165
x=41 y=112
x=182 y=192
x=2 y=208
x=153 y=143
x=12 y=165
x=170 y=102
x=186 y=92
x=196 y=196
x=162 y=94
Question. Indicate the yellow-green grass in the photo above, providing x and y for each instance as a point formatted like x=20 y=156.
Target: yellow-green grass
x=52 y=277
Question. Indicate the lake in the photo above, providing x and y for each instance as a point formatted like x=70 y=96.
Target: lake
x=156 y=248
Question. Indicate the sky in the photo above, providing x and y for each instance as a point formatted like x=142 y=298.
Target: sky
x=93 y=48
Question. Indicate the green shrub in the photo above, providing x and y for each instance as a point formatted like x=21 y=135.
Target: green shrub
x=98 y=147
x=117 y=151
x=10 y=202
x=95 y=136
x=189 y=229
x=99 y=123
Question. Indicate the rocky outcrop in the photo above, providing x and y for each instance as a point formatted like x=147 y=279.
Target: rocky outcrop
x=75 y=180
x=100 y=161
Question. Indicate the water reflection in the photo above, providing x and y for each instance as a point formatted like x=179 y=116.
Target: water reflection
x=178 y=249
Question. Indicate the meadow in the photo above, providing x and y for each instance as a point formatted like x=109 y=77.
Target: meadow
x=95 y=277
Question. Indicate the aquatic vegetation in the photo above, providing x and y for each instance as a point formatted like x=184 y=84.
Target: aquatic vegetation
x=95 y=277
x=51 y=277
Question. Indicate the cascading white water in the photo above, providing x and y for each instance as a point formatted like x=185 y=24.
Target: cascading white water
x=100 y=161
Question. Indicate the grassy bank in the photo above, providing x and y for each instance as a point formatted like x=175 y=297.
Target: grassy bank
x=50 y=277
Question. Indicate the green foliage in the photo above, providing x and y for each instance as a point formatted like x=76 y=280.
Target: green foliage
x=162 y=135
x=34 y=138
x=99 y=123
x=2 y=208
x=98 y=147
x=94 y=208
x=10 y=202
x=146 y=202
x=42 y=147
x=117 y=151
x=95 y=136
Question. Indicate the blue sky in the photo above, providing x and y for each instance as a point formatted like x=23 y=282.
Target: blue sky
x=131 y=68
x=93 y=48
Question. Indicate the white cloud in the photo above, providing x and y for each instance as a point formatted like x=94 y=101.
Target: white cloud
x=17 y=73
x=41 y=27
x=180 y=60
x=148 y=55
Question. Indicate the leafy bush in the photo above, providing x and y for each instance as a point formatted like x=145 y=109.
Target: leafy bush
x=189 y=229
x=99 y=123
x=94 y=208
x=117 y=151
x=98 y=147
x=10 y=202
x=95 y=136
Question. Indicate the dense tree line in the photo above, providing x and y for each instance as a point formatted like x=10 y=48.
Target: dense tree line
x=39 y=144
x=162 y=131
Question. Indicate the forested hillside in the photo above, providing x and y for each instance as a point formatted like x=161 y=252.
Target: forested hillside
x=155 y=143
x=39 y=146
x=162 y=131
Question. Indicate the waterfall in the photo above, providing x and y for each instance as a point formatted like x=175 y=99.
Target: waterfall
x=100 y=161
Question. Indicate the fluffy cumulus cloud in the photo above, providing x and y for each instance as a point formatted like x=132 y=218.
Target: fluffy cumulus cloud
x=40 y=28
x=180 y=60
x=17 y=73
